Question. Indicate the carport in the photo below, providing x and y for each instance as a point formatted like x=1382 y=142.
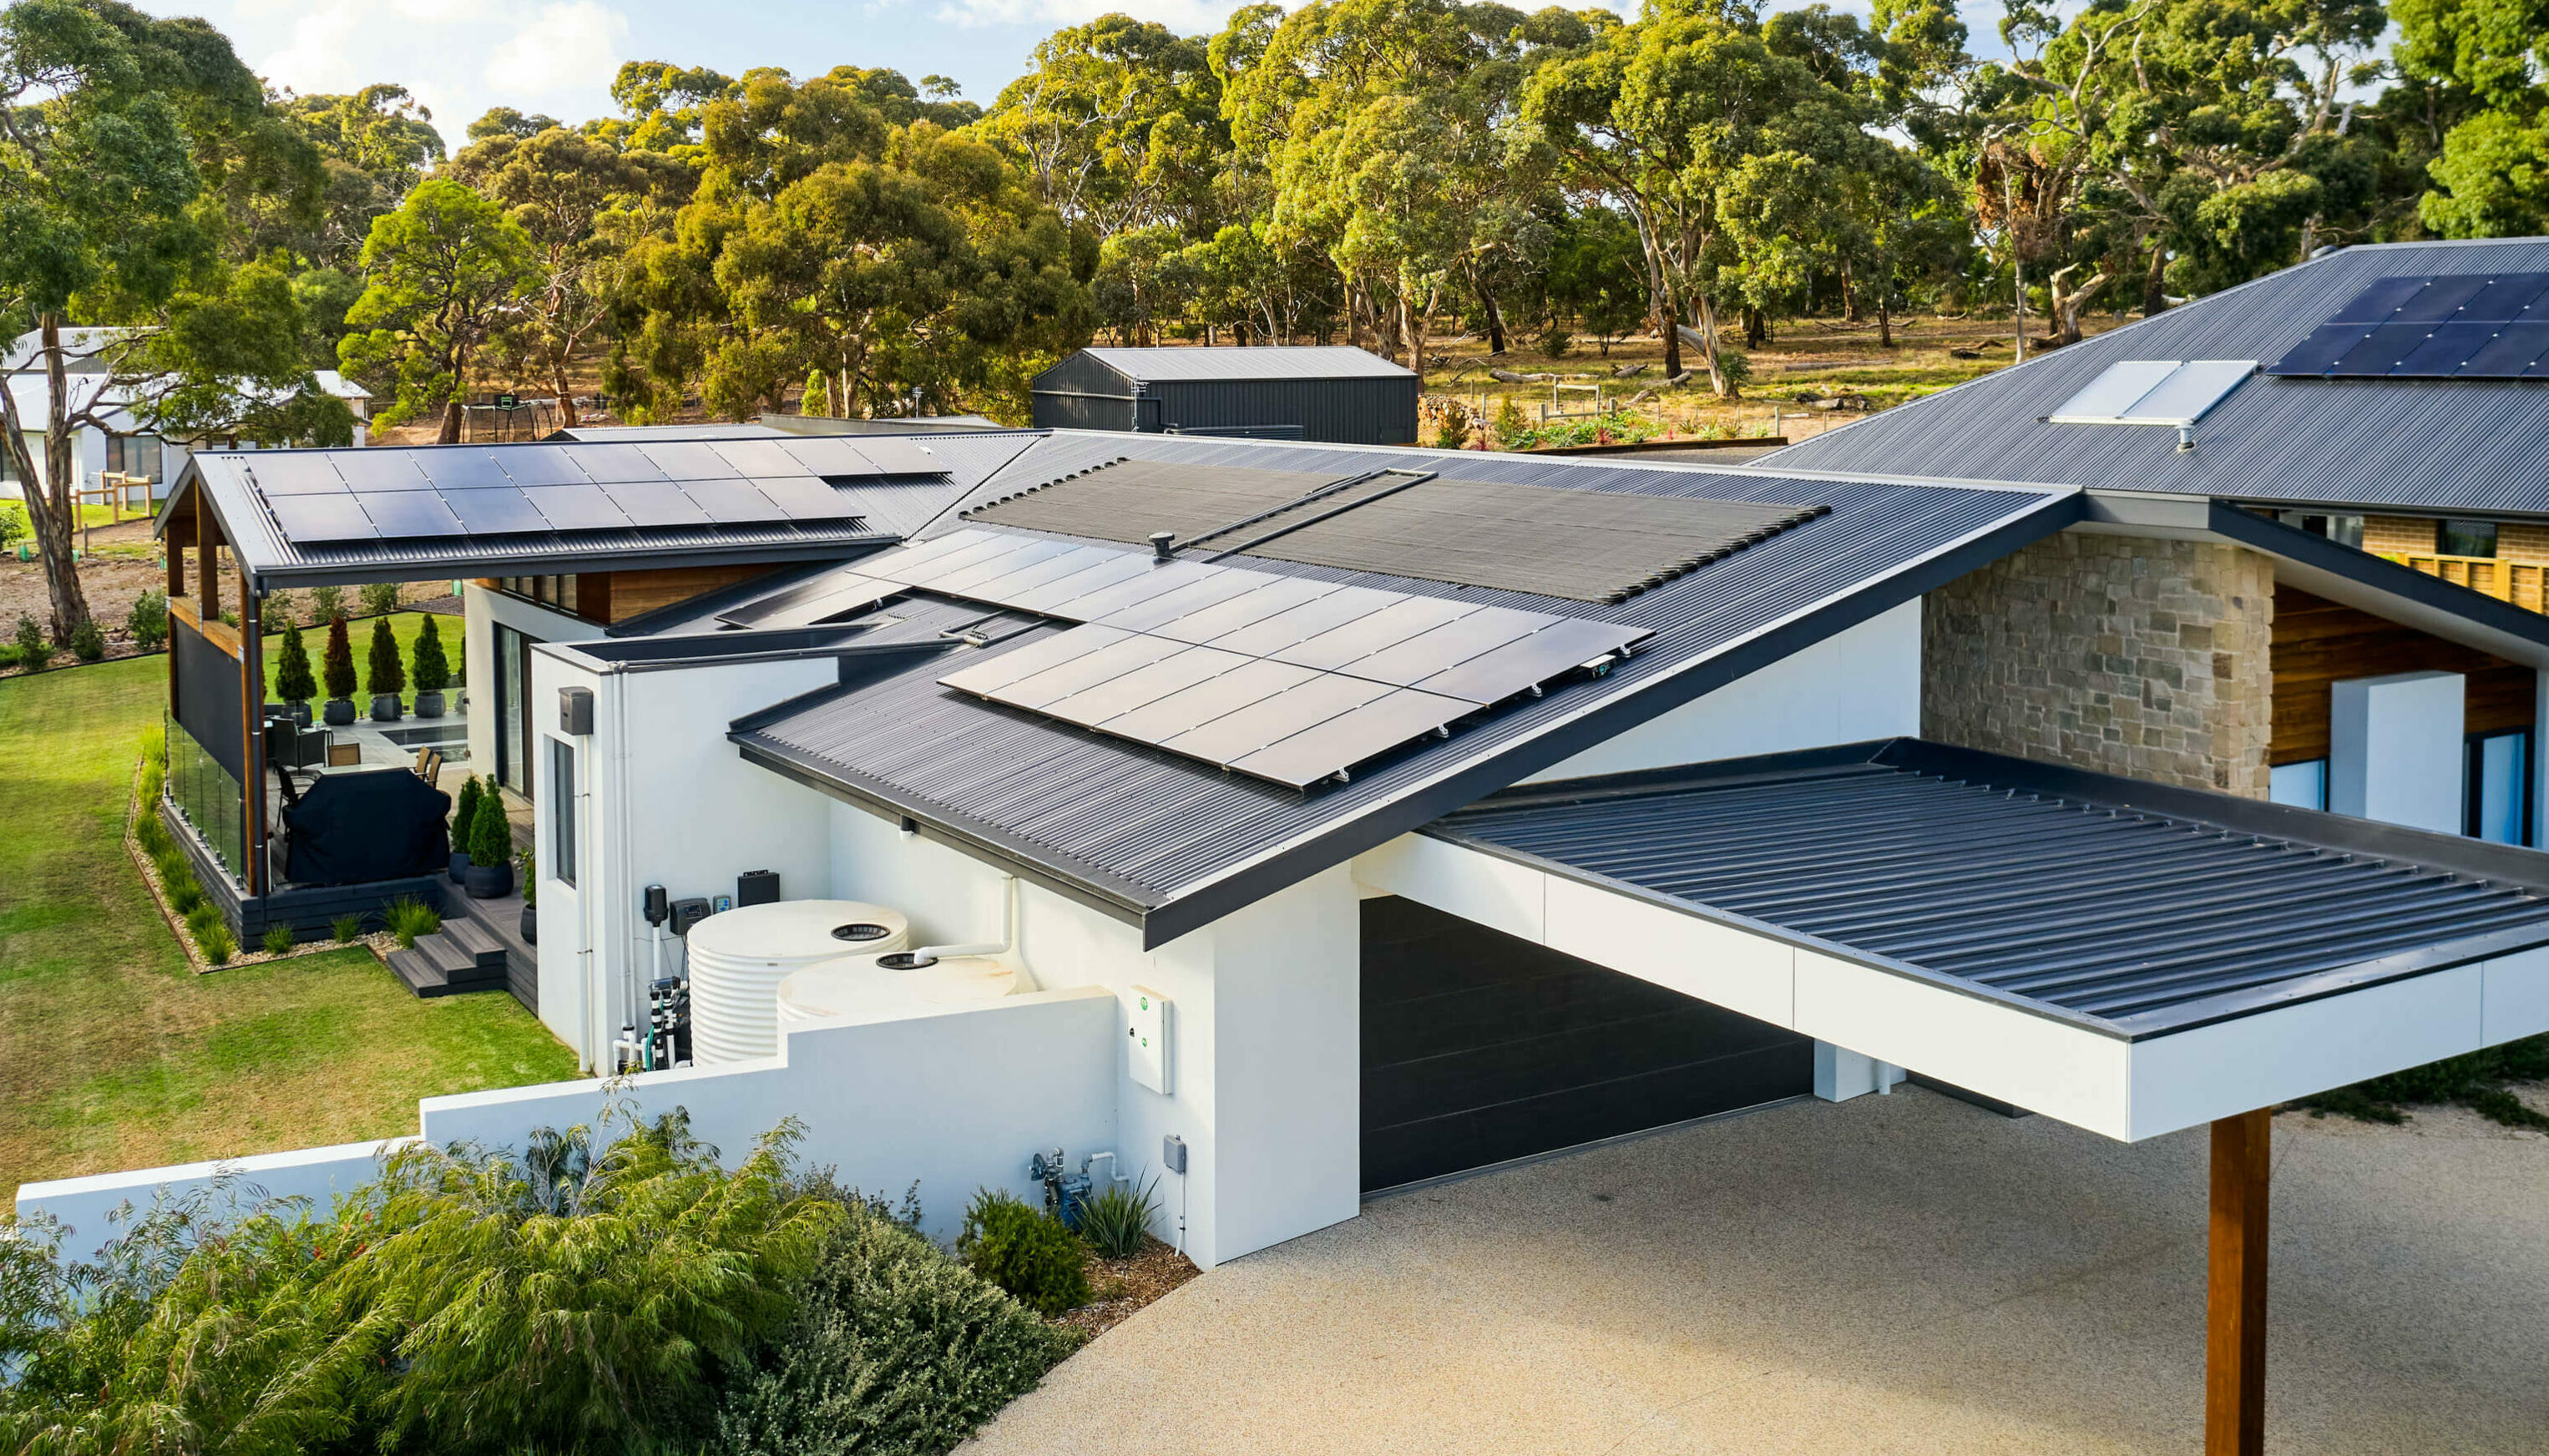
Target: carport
x=2131 y=958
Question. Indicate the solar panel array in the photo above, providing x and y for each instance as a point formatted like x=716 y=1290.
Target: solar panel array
x=1284 y=679
x=2447 y=326
x=369 y=495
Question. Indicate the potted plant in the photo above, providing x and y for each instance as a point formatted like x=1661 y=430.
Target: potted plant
x=490 y=850
x=387 y=679
x=432 y=670
x=530 y=894
x=292 y=679
x=464 y=819
x=338 y=668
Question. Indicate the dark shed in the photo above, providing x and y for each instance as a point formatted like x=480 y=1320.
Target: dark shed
x=1342 y=395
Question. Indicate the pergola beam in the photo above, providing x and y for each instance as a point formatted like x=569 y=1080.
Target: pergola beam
x=2234 y=1340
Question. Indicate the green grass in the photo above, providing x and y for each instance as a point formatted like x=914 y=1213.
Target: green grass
x=403 y=626
x=115 y=1054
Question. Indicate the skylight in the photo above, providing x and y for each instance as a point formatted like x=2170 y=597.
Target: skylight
x=2163 y=392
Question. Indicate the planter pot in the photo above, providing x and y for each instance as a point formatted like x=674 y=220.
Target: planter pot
x=429 y=704
x=487 y=881
x=459 y=865
x=339 y=712
x=386 y=707
x=530 y=926
x=298 y=712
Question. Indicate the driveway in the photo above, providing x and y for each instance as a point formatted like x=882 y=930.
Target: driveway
x=1897 y=1274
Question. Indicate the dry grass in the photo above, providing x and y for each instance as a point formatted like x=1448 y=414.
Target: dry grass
x=114 y=1055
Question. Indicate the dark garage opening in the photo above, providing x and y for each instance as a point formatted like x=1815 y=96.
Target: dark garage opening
x=1478 y=1047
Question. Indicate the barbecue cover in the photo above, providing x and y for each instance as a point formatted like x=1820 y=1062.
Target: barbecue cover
x=350 y=828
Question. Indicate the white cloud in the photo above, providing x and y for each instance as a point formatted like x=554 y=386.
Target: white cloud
x=1185 y=17
x=560 y=48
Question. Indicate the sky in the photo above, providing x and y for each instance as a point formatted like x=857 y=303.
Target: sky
x=557 y=57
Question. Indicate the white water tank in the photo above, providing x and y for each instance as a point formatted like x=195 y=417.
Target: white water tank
x=865 y=985
x=738 y=959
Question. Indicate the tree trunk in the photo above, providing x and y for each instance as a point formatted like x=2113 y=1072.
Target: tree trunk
x=2156 y=282
x=1717 y=377
x=1850 y=310
x=1885 y=317
x=1413 y=324
x=2067 y=305
x=1757 y=328
x=53 y=510
x=565 y=395
x=449 y=435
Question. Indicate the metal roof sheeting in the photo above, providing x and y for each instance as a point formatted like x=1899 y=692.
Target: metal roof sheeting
x=2064 y=889
x=2479 y=446
x=1165 y=839
x=1272 y=361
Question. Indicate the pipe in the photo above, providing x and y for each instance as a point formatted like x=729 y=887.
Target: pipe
x=929 y=955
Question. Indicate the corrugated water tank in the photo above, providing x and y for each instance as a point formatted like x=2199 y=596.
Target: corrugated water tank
x=739 y=960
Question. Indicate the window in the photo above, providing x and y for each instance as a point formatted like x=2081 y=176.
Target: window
x=2496 y=777
x=2465 y=538
x=2344 y=531
x=557 y=593
x=134 y=455
x=2303 y=785
x=561 y=861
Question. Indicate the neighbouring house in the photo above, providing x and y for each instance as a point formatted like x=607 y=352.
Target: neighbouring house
x=1296 y=820
x=123 y=445
x=1278 y=391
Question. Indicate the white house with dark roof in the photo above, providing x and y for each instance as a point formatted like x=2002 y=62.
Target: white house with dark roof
x=1300 y=820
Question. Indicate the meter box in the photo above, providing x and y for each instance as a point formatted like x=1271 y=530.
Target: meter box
x=1146 y=1039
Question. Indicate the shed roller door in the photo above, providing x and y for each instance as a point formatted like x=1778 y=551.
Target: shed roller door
x=1479 y=1047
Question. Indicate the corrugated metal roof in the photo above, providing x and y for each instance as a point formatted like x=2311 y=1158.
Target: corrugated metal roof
x=1272 y=361
x=2479 y=446
x=2067 y=891
x=1159 y=837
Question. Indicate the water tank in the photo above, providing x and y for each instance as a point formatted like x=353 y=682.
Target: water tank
x=866 y=985
x=738 y=959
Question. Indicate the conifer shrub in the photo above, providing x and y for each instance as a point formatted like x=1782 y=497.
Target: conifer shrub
x=336 y=667
x=293 y=681
x=387 y=671
x=491 y=838
x=1024 y=1250
x=464 y=814
x=432 y=668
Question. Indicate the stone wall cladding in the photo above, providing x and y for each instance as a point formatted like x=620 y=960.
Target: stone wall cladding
x=2120 y=654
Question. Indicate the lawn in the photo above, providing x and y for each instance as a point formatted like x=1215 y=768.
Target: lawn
x=403 y=626
x=115 y=1054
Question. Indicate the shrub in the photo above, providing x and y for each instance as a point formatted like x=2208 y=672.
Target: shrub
x=326 y=604
x=346 y=928
x=1510 y=422
x=149 y=621
x=2475 y=1080
x=1024 y=1250
x=277 y=608
x=184 y=895
x=895 y=1349
x=14 y=526
x=464 y=814
x=432 y=668
x=33 y=650
x=279 y=939
x=379 y=598
x=1555 y=342
x=408 y=916
x=293 y=681
x=336 y=670
x=387 y=671
x=153 y=835
x=1454 y=431
x=88 y=641
x=1117 y=1220
x=154 y=747
x=491 y=838
x=213 y=940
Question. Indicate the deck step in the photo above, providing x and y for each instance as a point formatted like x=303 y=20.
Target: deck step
x=480 y=944
x=454 y=963
x=420 y=973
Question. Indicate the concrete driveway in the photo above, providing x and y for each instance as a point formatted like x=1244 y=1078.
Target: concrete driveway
x=1898 y=1274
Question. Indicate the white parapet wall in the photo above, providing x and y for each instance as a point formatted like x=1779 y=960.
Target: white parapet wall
x=955 y=1102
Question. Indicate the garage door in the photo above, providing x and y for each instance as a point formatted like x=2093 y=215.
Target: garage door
x=1478 y=1047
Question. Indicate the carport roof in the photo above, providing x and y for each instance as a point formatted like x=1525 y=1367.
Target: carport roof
x=2130 y=909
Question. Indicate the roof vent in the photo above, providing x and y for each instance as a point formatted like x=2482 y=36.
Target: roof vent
x=2185 y=438
x=1164 y=544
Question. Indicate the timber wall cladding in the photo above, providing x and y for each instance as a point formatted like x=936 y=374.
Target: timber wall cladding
x=2317 y=642
x=633 y=592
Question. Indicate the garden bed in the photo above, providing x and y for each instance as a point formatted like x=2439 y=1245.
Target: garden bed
x=1125 y=1286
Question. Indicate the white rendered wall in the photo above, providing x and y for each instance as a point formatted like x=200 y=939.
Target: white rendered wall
x=480 y=610
x=237 y=1186
x=2395 y=750
x=666 y=800
x=1855 y=685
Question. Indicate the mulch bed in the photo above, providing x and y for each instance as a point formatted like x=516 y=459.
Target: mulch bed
x=1124 y=1286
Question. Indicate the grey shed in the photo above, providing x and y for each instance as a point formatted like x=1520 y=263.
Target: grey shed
x=1333 y=394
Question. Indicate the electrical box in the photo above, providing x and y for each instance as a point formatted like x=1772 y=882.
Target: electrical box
x=688 y=913
x=1146 y=1039
x=1173 y=1155
x=757 y=887
x=575 y=711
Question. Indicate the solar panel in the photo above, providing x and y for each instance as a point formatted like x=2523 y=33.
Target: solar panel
x=1351 y=737
x=827 y=457
x=548 y=464
x=418 y=514
x=2454 y=326
x=1139 y=687
x=1015 y=582
x=296 y=475
x=1500 y=672
x=1178 y=601
x=1255 y=680
x=892 y=456
x=999 y=565
x=733 y=501
x=655 y=504
x=1089 y=669
x=2113 y=391
x=1261 y=724
x=1274 y=595
x=1113 y=569
x=612 y=463
x=380 y=470
x=338 y=517
x=1300 y=624
x=827 y=595
x=989 y=678
x=1149 y=580
x=576 y=508
x=689 y=460
x=2166 y=391
x=804 y=497
x=757 y=457
x=917 y=564
x=491 y=513
x=1431 y=654
x=1338 y=647
x=462 y=469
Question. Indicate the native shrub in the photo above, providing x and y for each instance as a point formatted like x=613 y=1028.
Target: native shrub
x=33 y=650
x=326 y=604
x=1118 y=1218
x=1024 y=1250
x=408 y=916
x=279 y=939
x=379 y=598
x=346 y=929
x=149 y=621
